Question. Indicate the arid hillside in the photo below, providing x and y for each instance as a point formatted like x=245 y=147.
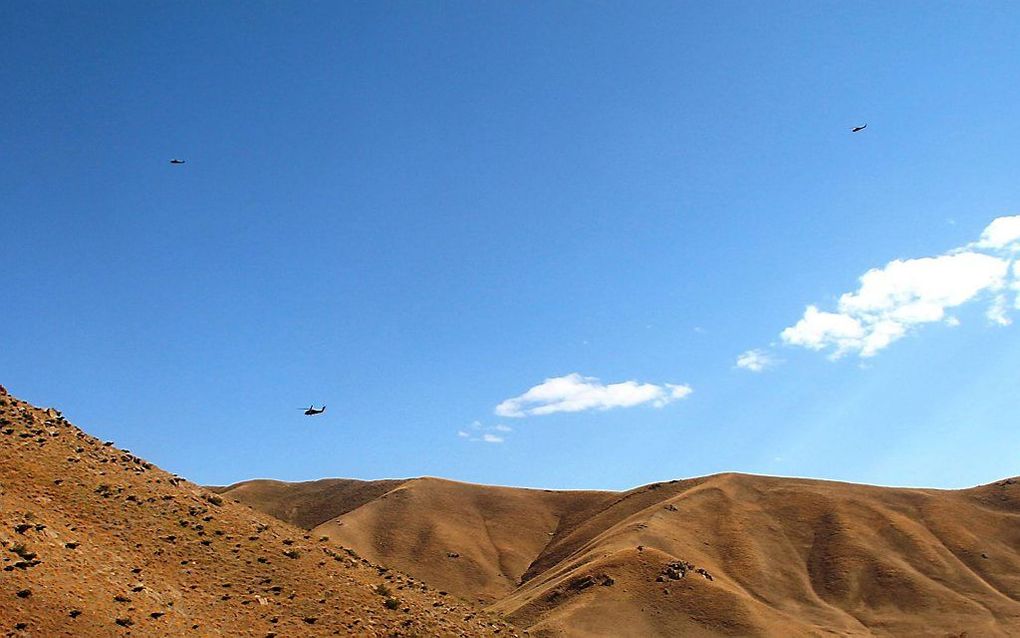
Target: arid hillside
x=724 y=555
x=95 y=541
x=311 y=503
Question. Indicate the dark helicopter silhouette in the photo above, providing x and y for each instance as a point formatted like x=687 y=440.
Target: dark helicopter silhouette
x=858 y=129
x=312 y=410
x=176 y=161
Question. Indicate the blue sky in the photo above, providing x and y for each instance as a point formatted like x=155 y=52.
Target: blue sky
x=417 y=212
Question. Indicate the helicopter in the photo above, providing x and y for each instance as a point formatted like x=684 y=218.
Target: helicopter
x=312 y=410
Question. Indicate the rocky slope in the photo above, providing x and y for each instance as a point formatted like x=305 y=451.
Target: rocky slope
x=95 y=541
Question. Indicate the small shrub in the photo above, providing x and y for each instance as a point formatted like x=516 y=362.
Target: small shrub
x=292 y=553
x=382 y=589
x=392 y=603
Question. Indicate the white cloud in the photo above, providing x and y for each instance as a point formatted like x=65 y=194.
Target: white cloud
x=1002 y=234
x=502 y=428
x=756 y=360
x=576 y=393
x=906 y=293
x=492 y=438
x=462 y=434
x=818 y=329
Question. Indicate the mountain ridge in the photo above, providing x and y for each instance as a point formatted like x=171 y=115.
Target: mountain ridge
x=725 y=554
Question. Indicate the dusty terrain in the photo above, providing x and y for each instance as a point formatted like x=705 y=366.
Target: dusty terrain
x=724 y=555
x=95 y=541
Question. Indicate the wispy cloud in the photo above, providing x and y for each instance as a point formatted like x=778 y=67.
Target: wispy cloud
x=576 y=393
x=895 y=299
x=756 y=360
x=476 y=432
x=997 y=312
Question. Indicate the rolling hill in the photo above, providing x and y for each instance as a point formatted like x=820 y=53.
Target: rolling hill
x=723 y=555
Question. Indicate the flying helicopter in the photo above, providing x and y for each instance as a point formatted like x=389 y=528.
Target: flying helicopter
x=177 y=161
x=312 y=410
x=858 y=129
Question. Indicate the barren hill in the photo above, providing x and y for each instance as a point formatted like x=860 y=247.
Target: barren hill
x=729 y=554
x=311 y=503
x=95 y=541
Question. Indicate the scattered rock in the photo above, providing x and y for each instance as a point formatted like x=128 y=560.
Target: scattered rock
x=677 y=569
x=582 y=583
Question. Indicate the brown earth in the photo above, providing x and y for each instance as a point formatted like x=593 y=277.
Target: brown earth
x=95 y=541
x=777 y=556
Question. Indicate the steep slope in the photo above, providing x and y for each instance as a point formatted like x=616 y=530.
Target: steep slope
x=473 y=540
x=97 y=542
x=721 y=555
x=786 y=557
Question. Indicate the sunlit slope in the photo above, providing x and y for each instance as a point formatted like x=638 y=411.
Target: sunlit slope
x=722 y=555
x=310 y=503
x=473 y=540
x=786 y=557
x=97 y=542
